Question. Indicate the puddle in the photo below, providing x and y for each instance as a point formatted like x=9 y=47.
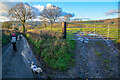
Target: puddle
x=27 y=53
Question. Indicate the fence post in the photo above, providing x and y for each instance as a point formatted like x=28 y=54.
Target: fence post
x=64 y=29
x=94 y=28
x=13 y=25
x=108 y=32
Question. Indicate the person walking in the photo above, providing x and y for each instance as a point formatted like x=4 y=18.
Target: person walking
x=14 y=40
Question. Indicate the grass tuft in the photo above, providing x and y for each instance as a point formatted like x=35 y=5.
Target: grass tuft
x=106 y=61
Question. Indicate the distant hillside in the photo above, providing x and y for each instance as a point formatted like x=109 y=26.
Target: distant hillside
x=111 y=21
x=35 y=23
x=115 y=20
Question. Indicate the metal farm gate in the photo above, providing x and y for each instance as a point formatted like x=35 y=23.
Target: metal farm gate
x=89 y=31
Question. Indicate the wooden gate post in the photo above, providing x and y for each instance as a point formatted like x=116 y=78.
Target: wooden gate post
x=108 y=32
x=64 y=29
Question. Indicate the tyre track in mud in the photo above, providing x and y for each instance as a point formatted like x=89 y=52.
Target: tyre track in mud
x=90 y=60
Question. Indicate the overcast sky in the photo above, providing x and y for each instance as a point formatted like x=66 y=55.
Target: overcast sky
x=89 y=10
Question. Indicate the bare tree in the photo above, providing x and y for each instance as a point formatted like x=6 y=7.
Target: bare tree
x=44 y=20
x=68 y=16
x=65 y=18
x=51 y=14
x=21 y=13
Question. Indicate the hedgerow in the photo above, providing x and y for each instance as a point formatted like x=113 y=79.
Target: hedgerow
x=52 y=49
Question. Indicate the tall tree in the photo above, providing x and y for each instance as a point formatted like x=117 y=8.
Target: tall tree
x=51 y=14
x=44 y=21
x=21 y=13
x=65 y=18
x=68 y=16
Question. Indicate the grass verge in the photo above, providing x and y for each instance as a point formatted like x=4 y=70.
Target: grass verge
x=52 y=49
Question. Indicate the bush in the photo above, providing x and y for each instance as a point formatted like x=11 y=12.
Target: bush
x=7 y=25
x=106 y=61
x=56 y=52
x=118 y=41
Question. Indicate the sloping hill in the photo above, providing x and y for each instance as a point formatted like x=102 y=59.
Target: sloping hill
x=112 y=21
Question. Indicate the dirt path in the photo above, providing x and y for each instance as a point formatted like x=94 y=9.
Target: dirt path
x=94 y=59
x=17 y=64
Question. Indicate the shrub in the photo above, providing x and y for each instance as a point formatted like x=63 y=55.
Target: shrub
x=99 y=54
x=56 y=52
x=106 y=61
x=118 y=41
x=7 y=25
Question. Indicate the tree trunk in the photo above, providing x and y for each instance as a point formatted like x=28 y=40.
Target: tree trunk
x=45 y=24
x=51 y=23
x=23 y=30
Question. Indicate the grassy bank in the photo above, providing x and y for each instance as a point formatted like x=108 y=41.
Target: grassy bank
x=52 y=49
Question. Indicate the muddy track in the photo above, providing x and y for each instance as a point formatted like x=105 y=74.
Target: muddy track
x=94 y=59
x=97 y=59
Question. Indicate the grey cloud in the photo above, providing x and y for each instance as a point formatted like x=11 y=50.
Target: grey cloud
x=8 y=5
x=37 y=12
x=50 y=6
x=65 y=13
x=5 y=6
x=86 y=18
x=112 y=12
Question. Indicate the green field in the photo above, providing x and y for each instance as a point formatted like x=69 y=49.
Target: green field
x=101 y=29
